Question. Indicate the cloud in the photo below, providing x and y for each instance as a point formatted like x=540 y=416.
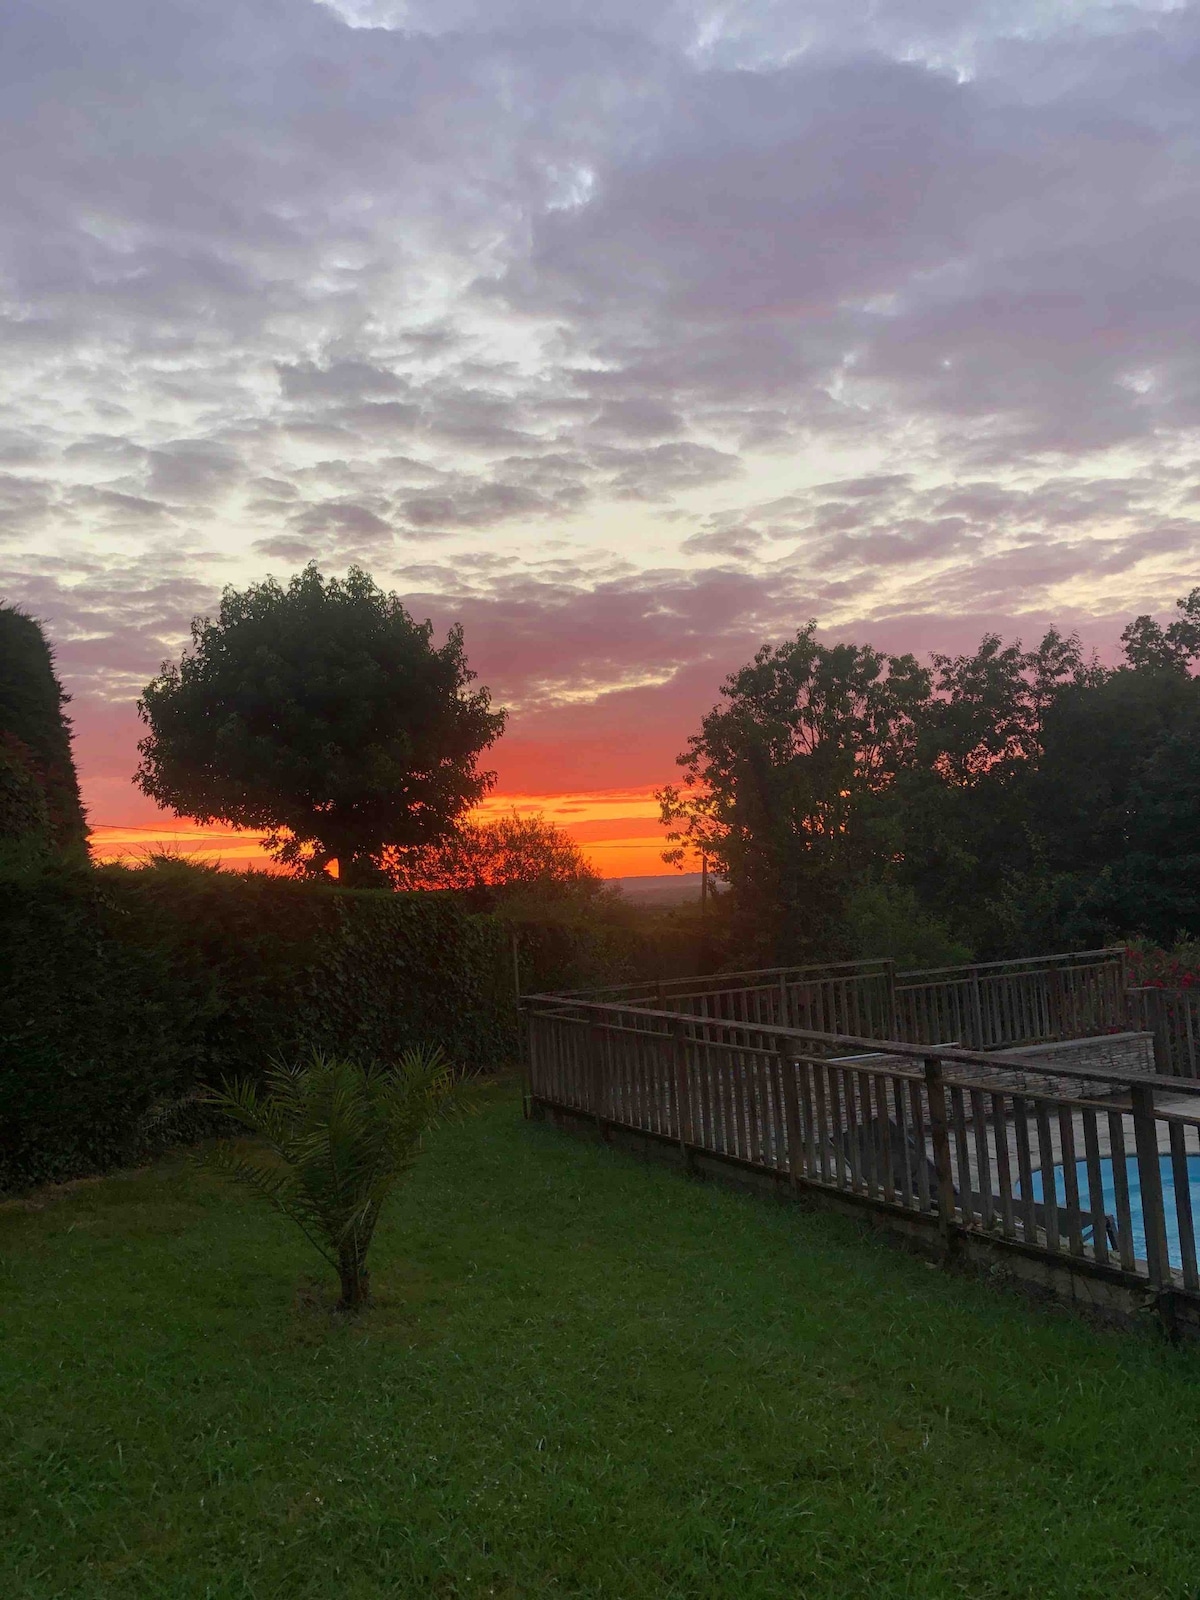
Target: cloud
x=631 y=335
x=340 y=380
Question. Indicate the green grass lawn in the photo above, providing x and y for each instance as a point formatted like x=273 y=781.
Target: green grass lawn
x=584 y=1376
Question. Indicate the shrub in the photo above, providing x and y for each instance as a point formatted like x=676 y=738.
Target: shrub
x=126 y=989
x=34 y=732
x=24 y=814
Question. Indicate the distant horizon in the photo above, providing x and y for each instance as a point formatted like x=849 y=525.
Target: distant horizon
x=617 y=830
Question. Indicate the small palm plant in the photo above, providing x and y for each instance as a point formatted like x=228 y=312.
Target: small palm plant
x=338 y=1137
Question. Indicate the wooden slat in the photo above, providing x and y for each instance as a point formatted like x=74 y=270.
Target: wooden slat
x=728 y=1102
x=1003 y=1165
x=924 y=1199
x=738 y=1102
x=983 y=1160
x=755 y=1108
x=1029 y=1229
x=1145 y=1135
x=1091 y=1146
x=804 y=1071
x=824 y=1158
x=939 y=1133
x=1116 y=1145
x=1066 y=1134
x=853 y=1127
x=1046 y=1166
x=1183 y=1205
x=837 y=1122
x=903 y=1127
x=710 y=1091
x=887 y=1149
x=962 y=1156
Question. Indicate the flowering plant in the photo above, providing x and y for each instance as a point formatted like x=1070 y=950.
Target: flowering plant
x=1151 y=967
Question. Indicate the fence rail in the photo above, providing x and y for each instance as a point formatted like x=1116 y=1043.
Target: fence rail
x=1099 y=1179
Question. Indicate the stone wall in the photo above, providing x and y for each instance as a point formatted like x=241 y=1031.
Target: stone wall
x=1109 y=1052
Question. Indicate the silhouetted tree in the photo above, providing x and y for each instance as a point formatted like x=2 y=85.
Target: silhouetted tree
x=779 y=783
x=1150 y=647
x=324 y=714
x=961 y=813
x=484 y=859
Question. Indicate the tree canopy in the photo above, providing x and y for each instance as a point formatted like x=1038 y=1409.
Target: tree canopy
x=482 y=860
x=996 y=802
x=323 y=714
x=779 y=780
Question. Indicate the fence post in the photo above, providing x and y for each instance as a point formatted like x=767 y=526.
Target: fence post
x=979 y=1042
x=1158 y=1025
x=1056 y=996
x=940 y=1131
x=791 y=1110
x=893 y=1012
x=1145 y=1134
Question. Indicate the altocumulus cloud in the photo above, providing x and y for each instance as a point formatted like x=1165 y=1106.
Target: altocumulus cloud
x=628 y=334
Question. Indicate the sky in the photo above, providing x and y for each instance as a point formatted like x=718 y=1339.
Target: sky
x=630 y=336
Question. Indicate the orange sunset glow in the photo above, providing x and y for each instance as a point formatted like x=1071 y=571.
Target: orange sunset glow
x=617 y=829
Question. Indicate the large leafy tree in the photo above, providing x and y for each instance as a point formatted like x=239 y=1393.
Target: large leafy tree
x=323 y=714
x=780 y=784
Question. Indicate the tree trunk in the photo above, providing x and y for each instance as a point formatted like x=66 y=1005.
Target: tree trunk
x=356 y=1281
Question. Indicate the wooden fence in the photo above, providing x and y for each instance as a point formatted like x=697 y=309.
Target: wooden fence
x=985 y=1006
x=1099 y=1181
x=1173 y=1017
x=1005 y=1003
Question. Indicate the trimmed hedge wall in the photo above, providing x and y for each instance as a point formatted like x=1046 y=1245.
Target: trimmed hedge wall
x=126 y=989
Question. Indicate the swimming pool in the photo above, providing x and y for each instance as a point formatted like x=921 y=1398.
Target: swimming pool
x=1108 y=1200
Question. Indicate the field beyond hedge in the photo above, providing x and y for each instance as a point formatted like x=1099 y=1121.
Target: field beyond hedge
x=584 y=1377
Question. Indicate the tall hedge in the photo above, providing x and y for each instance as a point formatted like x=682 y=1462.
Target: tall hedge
x=123 y=990
x=35 y=735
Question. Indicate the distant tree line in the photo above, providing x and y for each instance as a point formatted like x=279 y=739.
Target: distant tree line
x=1006 y=801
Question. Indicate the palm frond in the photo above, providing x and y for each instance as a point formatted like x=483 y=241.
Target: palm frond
x=338 y=1136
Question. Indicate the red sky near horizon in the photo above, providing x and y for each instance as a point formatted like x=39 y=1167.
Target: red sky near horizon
x=618 y=830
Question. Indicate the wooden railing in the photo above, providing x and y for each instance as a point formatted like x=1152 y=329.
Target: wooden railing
x=932 y=1135
x=1173 y=1017
x=985 y=1006
x=1001 y=1003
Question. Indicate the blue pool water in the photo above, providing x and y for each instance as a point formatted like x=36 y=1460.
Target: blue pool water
x=1108 y=1199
